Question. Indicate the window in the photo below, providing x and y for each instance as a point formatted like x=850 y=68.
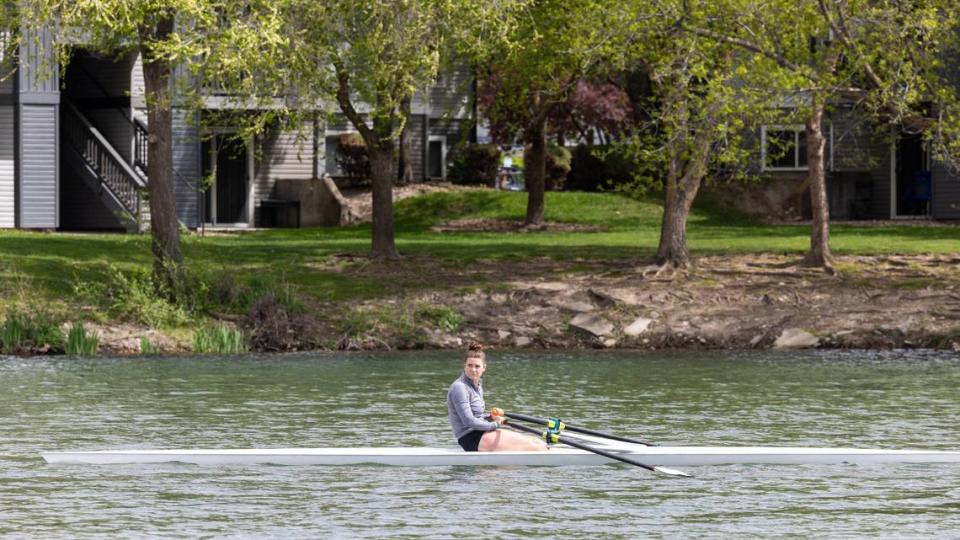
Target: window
x=330 y=156
x=784 y=148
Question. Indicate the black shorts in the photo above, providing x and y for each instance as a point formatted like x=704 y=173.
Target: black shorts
x=471 y=441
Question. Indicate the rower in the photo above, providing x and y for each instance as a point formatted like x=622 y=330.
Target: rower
x=465 y=409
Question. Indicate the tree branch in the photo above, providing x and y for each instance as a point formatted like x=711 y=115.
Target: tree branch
x=843 y=34
x=750 y=46
x=343 y=99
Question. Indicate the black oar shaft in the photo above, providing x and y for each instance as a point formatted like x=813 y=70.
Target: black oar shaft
x=586 y=447
x=543 y=422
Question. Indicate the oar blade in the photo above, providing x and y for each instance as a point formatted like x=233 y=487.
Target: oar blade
x=672 y=472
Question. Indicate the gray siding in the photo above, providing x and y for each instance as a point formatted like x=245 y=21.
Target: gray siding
x=946 y=193
x=38 y=166
x=862 y=146
x=186 y=166
x=284 y=155
x=7 y=64
x=7 y=169
x=37 y=133
x=137 y=88
x=417 y=146
x=38 y=76
x=450 y=96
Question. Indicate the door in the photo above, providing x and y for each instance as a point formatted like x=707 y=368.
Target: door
x=226 y=158
x=913 y=189
x=435 y=158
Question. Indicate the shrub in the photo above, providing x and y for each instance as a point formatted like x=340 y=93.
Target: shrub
x=444 y=318
x=558 y=166
x=475 y=164
x=37 y=331
x=352 y=157
x=226 y=294
x=275 y=327
x=595 y=168
x=79 y=343
x=219 y=340
x=133 y=296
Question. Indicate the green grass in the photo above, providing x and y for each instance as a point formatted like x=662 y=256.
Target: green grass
x=52 y=269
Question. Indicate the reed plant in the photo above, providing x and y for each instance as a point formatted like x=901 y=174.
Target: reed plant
x=79 y=342
x=36 y=331
x=219 y=340
x=147 y=347
x=12 y=334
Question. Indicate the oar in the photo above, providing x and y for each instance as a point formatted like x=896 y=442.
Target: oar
x=604 y=453
x=543 y=422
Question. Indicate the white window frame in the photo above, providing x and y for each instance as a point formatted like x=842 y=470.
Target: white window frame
x=796 y=128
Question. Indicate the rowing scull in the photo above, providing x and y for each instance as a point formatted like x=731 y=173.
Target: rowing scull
x=418 y=457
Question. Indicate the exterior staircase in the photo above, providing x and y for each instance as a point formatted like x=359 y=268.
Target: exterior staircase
x=120 y=185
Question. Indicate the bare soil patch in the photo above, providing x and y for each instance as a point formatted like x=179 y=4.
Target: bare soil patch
x=360 y=201
x=511 y=226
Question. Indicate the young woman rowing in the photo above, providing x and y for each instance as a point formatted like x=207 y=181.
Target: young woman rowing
x=465 y=409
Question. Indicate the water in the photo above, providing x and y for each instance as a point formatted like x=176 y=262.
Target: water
x=893 y=399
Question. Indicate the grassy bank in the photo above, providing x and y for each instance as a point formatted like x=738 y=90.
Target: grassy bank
x=76 y=275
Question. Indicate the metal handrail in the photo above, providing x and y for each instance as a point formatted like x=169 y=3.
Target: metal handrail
x=141 y=136
x=113 y=171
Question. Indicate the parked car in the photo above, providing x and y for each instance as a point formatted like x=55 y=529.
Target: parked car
x=509 y=179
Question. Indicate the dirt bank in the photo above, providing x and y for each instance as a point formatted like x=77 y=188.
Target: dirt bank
x=725 y=302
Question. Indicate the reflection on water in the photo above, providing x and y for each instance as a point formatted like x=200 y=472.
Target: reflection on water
x=854 y=398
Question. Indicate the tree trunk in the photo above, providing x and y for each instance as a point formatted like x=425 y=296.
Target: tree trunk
x=168 y=269
x=382 y=173
x=381 y=149
x=819 y=254
x=673 y=249
x=535 y=169
x=405 y=166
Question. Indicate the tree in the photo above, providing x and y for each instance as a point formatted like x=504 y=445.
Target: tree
x=371 y=56
x=555 y=44
x=598 y=110
x=166 y=33
x=699 y=97
x=882 y=56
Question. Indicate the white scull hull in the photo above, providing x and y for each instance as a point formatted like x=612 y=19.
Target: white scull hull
x=667 y=456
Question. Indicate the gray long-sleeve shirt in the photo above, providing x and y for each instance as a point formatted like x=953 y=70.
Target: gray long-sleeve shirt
x=465 y=408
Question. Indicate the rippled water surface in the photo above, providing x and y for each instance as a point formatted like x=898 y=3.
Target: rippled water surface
x=893 y=399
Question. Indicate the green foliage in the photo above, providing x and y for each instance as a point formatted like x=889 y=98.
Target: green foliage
x=147 y=347
x=406 y=322
x=13 y=334
x=34 y=330
x=226 y=293
x=600 y=168
x=79 y=343
x=441 y=317
x=558 y=166
x=475 y=164
x=134 y=296
x=219 y=340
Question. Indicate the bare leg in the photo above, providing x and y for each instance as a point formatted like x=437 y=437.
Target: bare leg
x=509 y=441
